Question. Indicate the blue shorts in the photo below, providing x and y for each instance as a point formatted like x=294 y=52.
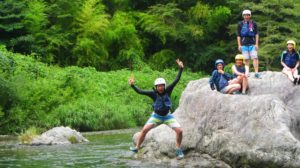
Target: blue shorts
x=249 y=52
x=169 y=120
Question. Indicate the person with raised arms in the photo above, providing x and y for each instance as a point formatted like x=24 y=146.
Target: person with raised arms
x=161 y=96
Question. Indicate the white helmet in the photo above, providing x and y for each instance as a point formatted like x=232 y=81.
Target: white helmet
x=246 y=12
x=160 y=81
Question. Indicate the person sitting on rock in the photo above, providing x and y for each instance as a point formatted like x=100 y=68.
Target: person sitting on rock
x=290 y=62
x=162 y=104
x=222 y=80
x=241 y=72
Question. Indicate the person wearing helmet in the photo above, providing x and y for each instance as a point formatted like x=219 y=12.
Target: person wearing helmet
x=241 y=72
x=290 y=62
x=162 y=105
x=221 y=80
x=247 y=39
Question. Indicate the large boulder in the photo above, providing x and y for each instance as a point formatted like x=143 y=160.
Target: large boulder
x=58 y=136
x=261 y=129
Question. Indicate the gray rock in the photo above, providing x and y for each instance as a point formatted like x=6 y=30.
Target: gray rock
x=59 y=136
x=261 y=129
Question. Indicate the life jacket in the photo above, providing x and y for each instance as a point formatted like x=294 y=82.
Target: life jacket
x=247 y=29
x=290 y=59
x=241 y=69
x=162 y=103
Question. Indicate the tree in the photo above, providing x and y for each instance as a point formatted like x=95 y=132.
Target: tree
x=90 y=28
x=12 y=30
x=125 y=47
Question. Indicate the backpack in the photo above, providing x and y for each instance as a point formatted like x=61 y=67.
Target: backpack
x=247 y=30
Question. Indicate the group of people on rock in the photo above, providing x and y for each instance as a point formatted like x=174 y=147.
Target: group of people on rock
x=247 y=40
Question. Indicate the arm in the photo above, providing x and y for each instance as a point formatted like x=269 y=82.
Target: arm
x=236 y=72
x=256 y=35
x=211 y=80
x=282 y=63
x=228 y=76
x=296 y=67
x=239 y=36
x=173 y=84
x=297 y=64
x=151 y=94
x=256 y=41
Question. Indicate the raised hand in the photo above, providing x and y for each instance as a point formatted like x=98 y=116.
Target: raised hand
x=180 y=63
x=131 y=81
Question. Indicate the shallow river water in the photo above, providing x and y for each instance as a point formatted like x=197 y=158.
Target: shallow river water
x=103 y=150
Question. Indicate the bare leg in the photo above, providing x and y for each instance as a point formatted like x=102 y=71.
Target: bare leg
x=233 y=88
x=247 y=62
x=237 y=80
x=244 y=84
x=178 y=131
x=144 y=132
x=255 y=65
x=295 y=74
x=289 y=74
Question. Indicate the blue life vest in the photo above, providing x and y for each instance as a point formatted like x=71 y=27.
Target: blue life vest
x=247 y=29
x=241 y=69
x=290 y=59
x=162 y=103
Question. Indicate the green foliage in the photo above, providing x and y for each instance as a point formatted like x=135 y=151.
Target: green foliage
x=47 y=96
x=162 y=21
x=125 y=47
x=218 y=18
x=117 y=34
x=91 y=26
x=35 y=18
x=28 y=135
x=163 y=59
x=72 y=139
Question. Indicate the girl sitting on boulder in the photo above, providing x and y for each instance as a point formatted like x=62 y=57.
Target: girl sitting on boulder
x=290 y=62
x=241 y=72
x=222 y=80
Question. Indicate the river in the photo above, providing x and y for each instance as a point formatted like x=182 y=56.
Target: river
x=104 y=150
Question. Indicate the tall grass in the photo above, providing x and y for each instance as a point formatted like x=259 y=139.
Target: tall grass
x=35 y=94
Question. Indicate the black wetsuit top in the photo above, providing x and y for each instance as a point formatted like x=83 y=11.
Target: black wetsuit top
x=153 y=94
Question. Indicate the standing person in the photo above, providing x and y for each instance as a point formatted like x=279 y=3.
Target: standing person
x=240 y=72
x=161 y=106
x=247 y=39
x=222 y=80
x=290 y=62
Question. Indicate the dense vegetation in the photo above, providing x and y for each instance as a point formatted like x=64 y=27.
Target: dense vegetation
x=34 y=94
x=117 y=34
x=77 y=55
